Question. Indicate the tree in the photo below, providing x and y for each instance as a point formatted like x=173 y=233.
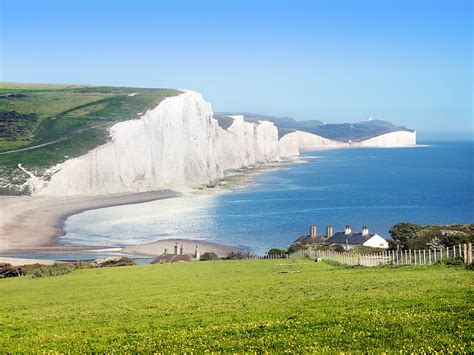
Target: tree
x=402 y=234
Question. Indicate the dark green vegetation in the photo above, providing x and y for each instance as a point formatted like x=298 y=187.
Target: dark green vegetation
x=337 y=131
x=14 y=124
x=251 y=305
x=38 y=270
x=47 y=124
x=35 y=270
x=413 y=236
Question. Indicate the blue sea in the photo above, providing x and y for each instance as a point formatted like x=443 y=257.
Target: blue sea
x=376 y=187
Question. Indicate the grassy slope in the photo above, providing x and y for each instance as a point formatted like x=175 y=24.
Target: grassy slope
x=239 y=305
x=75 y=118
x=70 y=112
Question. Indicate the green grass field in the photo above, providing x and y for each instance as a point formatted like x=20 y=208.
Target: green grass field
x=258 y=305
x=69 y=120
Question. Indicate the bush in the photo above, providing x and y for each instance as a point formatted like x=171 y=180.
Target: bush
x=113 y=261
x=339 y=248
x=35 y=270
x=295 y=247
x=8 y=270
x=51 y=270
x=208 y=256
x=470 y=266
x=276 y=251
x=238 y=255
x=362 y=249
x=402 y=233
x=453 y=261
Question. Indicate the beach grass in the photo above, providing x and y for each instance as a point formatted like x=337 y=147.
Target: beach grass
x=235 y=306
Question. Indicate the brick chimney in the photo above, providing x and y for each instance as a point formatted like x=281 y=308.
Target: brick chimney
x=365 y=230
x=348 y=229
x=329 y=231
x=312 y=232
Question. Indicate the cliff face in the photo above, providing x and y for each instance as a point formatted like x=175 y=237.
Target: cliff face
x=305 y=140
x=392 y=139
x=177 y=145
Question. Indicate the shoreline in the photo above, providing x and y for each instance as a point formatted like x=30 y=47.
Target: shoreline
x=38 y=221
x=33 y=224
x=29 y=222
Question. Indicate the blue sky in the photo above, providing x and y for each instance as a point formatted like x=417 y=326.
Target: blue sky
x=409 y=62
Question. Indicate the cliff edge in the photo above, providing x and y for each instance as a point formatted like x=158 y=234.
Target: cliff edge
x=179 y=145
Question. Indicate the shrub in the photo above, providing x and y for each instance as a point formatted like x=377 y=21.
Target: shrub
x=209 y=256
x=113 y=261
x=339 y=248
x=35 y=270
x=8 y=270
x=470 y=266
x=295 y=247
x=276 y=251
x=362 y=249
x=451 y=261
x=51 y=270
x=238 y=255
x=402 y=233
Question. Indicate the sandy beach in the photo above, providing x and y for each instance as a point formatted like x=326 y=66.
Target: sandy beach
x=28 y=222
x=32 y=224
x=24 y=261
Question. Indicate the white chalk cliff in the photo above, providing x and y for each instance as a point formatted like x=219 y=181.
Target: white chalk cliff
x=389 y=140
x=178 y=145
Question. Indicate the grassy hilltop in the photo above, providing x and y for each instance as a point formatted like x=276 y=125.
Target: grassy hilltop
x=250 y=305
x=44 y=124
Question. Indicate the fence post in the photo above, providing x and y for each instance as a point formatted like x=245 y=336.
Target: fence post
x=465 y=253
x=469 y=253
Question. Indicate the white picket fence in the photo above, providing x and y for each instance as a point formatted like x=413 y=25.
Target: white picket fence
x=391 y=257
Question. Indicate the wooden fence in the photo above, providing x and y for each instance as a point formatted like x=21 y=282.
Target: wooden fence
x=391 y=257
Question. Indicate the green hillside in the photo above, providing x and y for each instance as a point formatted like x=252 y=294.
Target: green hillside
x=235 y=306
x=42 y=124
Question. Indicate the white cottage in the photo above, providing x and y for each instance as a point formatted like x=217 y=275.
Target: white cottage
x=348 y=239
